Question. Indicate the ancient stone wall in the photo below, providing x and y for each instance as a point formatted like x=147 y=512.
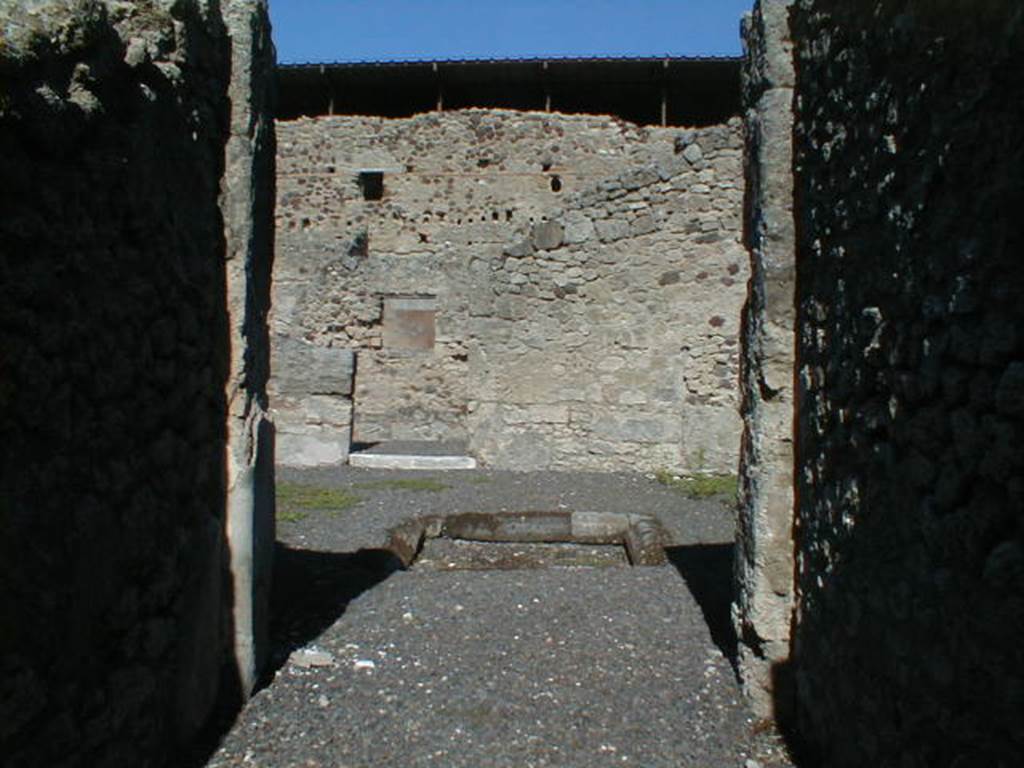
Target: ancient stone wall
x=118 y=372
x=560 y=291
x=764 y=534
x=909 y=149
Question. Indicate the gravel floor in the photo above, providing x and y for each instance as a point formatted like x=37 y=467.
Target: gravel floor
x=549 y=667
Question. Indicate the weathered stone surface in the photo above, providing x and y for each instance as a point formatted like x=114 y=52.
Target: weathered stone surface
x=135 y=284
x=407 y=461
x=535 y=289
x=578 y=228
x=547 y=235
x=693 y=154
x=518 y=249
x=247 y=207
x=305 y=445
x=610 y=230
x=301 y=368
x=312 y=430
x=598 y=527
x=764 y=547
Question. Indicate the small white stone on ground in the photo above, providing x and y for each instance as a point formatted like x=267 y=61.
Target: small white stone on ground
x=307 y=658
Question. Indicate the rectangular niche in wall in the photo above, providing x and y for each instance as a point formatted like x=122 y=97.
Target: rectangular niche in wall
x=409 y=322
x=372 y=184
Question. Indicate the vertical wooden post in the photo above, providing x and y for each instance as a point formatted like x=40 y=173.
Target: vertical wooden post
x=328 y=88
x=440 y=90
x=547 y=89
x=664 y=93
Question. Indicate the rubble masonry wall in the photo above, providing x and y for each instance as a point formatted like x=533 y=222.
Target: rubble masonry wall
x=585 y=277
x=119 y=372
x=907 y=482
x=910 y=467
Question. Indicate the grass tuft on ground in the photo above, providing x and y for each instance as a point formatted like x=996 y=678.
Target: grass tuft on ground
x=699 y=486
x=294 y=501
x=405 y=484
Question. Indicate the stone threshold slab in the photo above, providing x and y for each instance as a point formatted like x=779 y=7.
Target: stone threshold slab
x=408 y=461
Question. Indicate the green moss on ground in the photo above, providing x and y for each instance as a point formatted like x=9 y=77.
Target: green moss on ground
x=295 y=501
x=405 y=484
x=699 y=486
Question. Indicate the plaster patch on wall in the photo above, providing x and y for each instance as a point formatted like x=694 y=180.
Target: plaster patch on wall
x=409 y=323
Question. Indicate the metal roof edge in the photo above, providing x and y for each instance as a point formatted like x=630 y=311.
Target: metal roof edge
x=524 y=60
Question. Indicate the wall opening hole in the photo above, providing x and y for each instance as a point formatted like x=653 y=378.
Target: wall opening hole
x=359 y=247
x=546 y=167
x=556 y=184
x=372 y=184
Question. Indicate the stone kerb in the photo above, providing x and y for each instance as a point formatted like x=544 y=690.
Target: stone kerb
x=641 y=535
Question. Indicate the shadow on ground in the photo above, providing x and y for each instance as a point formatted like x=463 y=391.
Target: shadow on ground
x=311 y=591
x=707 y=571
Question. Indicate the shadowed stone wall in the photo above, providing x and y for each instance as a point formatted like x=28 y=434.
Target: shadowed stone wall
x=129 y=363
x=910 y=186
x=908 y=148
x=560 y=291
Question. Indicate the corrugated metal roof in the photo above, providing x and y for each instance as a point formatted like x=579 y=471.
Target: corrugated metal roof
x=522 y=60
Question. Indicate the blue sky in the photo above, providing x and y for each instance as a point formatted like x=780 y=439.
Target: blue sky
x=361 y=30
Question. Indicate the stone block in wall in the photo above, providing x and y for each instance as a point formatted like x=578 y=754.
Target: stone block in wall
x=709 y=438
x=610 y=230
x=636 y=428
x=536 y=414
x=643 y=224
x=301 y=368
x=313 y=431
x=547 y=235
x=578 y=228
